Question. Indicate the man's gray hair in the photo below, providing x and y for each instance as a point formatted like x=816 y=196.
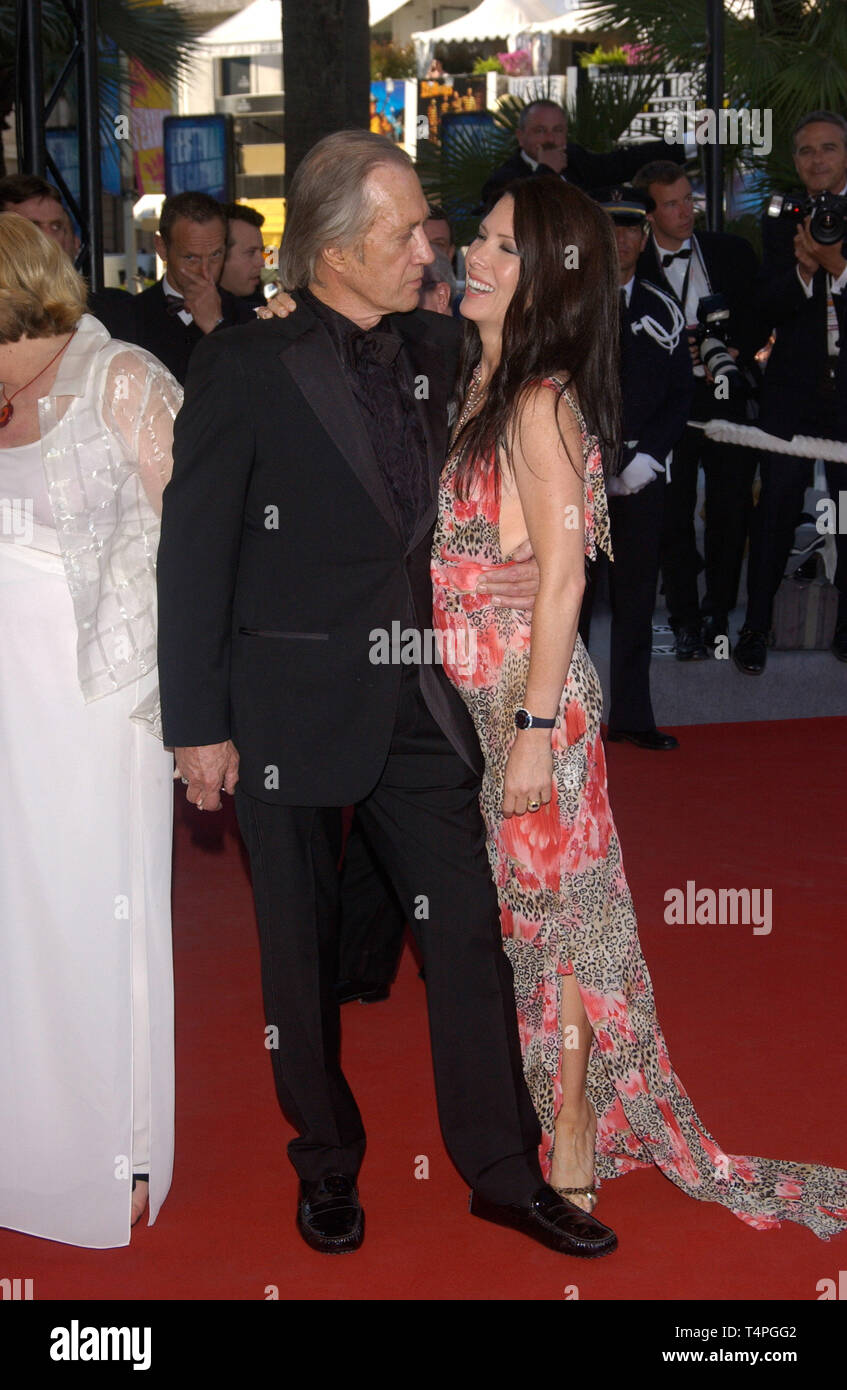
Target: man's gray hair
x=533 y=105
x=812 y=118
x=439 y=272
x=330 y=201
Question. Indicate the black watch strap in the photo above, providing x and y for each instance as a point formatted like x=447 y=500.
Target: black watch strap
x=525 y=720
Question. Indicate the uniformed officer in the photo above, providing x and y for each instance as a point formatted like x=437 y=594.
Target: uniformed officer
x=657 y=386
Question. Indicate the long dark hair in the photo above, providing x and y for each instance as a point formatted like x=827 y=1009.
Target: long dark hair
x=563 y=321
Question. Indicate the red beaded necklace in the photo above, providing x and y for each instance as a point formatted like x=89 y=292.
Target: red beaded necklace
x=7 y=410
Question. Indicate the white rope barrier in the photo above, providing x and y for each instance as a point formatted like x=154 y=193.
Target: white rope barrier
x=751 y=437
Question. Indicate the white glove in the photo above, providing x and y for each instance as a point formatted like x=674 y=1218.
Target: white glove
x=615 y=488
x=641 y=471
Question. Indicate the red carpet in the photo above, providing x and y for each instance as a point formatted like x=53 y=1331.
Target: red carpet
x=754 y=1026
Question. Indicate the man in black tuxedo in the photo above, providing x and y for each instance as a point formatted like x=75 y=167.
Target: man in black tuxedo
x=245 y=255
x=802 y=289
x=690 y=265
x=542 y=137
x=656 y=389
x=175 y=314
x=296 y=541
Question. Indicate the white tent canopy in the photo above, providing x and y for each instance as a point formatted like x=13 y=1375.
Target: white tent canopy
x=250 y=33
x=258 y=29
x=572 y=22
x=493 y=19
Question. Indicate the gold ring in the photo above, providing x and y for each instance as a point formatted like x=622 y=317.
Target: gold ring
x=533 y=805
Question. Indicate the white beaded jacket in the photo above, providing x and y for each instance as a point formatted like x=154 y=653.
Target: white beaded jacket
x=106 y=446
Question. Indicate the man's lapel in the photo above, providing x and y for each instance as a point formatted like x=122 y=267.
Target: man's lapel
x=308 y=354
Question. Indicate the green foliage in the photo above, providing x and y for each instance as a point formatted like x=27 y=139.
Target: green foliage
x=392 y=60
x=159 y=36
x=454 y=176
x=603 y=57
x=606 y=105
x=488 y=65
x=790 y=57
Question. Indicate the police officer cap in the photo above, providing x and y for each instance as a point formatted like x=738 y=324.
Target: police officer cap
x=624 y=203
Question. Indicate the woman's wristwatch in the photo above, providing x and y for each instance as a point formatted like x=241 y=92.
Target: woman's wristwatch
x=525 y=720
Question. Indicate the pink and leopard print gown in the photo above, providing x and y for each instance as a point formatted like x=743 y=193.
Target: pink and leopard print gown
x=564 y=901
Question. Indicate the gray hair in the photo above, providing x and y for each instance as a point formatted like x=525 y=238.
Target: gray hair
x=813 y=117
x=439 y=272
x=330 y=201
x=533 y=106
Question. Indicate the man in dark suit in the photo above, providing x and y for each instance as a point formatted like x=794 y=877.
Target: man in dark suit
x=175 y=314
x=295 y=550
x=656 y=388
x=689 y=266
x=542 y=137
x=802 y=289
x=245 y=255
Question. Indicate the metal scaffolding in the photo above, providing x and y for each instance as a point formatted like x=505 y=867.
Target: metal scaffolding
x=33 y=112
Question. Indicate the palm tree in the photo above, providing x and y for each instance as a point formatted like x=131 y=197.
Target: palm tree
x=156 y=35
x=326 y=71
x=788 y=57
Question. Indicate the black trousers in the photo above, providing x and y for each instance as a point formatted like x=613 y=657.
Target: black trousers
x=729 y=470
x=784 y=481
x=373 y=923
x=636 y=527
x=423 y=823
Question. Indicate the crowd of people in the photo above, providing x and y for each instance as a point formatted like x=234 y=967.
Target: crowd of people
x=221 y=504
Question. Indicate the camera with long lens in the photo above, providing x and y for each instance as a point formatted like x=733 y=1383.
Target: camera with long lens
x=828 y=212
x=711 y=334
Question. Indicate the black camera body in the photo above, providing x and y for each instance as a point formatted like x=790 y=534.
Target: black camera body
x=828 y=212
x=712 y=335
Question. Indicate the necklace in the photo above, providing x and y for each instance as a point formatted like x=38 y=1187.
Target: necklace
x=7 y=410
x=470 y=402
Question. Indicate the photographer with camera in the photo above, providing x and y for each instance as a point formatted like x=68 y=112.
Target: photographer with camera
x=802 y=294
x=710 y=275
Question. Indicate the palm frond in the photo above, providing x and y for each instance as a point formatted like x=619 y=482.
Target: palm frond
x=607 y=104
x=453 y=174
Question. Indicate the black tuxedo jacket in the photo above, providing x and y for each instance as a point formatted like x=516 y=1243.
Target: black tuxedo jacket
x=585 y=169
x=798 y=359
x=657 y=384
x=166 y=336
x=280 y=561
x=731 y=266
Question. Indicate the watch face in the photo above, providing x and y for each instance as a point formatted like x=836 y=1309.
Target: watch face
x=523 y=719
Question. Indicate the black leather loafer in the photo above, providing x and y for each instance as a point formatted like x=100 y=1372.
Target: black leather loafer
x=839 y=642
x=689 y=644
x=751 y=651
x=715 y=625
x=329 y=1214
x=653 y=739
x=552 y=1221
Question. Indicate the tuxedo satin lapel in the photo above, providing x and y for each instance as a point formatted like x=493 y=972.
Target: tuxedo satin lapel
x=432 y=391
x=311 y=359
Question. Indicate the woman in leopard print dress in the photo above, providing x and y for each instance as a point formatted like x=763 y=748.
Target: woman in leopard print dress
x=594 y=1056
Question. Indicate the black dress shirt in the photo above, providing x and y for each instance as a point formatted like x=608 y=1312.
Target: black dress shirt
x=379 y=376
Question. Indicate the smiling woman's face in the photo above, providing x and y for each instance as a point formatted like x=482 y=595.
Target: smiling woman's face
x=493 y=265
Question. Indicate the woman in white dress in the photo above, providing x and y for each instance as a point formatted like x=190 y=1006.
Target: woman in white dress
x=86 y=987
